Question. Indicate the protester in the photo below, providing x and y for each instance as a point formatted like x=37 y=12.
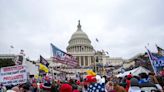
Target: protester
x=109 y=87
x=2 y=88
x=16 y=88
x=54 y=86
x=145 y=84
x=118 y=88
x=134 y=85
x=65 y=88
x=90 y=83
x=128 y=82
x=153 y=79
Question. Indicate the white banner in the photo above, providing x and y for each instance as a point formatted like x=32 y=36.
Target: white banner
x=13 y=75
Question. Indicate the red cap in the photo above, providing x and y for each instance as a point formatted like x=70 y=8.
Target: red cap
x=129 y=76
x=90 y=79
x=66 y=88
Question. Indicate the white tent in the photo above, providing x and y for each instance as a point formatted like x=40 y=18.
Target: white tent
x=134 y=72
x=31 y=68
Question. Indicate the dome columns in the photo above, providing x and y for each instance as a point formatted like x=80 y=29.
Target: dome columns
x=80 y=47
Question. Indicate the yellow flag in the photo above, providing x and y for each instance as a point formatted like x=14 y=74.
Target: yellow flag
x=90 y=72
x=36 y=76
x=43 y=67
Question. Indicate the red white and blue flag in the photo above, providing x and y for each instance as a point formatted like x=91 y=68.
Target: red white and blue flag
x=63 y=57
x=96 y=87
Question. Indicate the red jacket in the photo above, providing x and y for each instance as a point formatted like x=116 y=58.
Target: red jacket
x=127 y=85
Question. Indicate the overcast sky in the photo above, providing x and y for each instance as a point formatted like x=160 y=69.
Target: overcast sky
x=123 y=27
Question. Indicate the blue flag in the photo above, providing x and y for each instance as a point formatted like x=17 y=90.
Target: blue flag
x=63 y=57
x=157 y=62
x=96 y=87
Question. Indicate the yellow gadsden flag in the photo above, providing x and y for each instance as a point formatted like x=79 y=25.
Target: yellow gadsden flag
x=43 y=67
x=90 y=72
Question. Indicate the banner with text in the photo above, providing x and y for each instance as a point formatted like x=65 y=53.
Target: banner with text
x=63 y=57
x=13 y=75
x=157 y=62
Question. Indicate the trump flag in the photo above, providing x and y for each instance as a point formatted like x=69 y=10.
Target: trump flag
x=63 y=57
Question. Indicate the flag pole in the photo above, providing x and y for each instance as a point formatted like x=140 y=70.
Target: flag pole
x=96 y=56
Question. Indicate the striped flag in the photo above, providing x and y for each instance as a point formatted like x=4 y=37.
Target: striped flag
x=63 y=57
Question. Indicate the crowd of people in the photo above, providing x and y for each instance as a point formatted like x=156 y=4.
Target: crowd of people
x=129 y=83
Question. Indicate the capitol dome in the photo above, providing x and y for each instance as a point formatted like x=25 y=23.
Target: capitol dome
x=79 y=41
x=79 y=34
x=81 y=48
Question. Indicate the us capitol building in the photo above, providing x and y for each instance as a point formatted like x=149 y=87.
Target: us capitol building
x=80 y=47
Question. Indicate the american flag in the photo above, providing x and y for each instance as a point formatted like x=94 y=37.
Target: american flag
x=63 y=57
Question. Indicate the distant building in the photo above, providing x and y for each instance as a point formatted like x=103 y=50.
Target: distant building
x=80 y=47
x=8 y=56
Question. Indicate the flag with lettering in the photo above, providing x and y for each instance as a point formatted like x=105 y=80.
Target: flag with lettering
x=157 y=62
x=63 y=57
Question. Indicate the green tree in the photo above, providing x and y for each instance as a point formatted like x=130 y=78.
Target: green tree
x=6 y=62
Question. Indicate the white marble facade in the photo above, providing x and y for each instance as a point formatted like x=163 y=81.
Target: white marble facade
x=80 y=47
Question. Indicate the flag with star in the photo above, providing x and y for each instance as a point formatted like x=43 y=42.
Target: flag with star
x=63 y=57
x=96 y=87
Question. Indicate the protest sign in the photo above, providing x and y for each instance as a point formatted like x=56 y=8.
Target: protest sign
x=13 y=75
